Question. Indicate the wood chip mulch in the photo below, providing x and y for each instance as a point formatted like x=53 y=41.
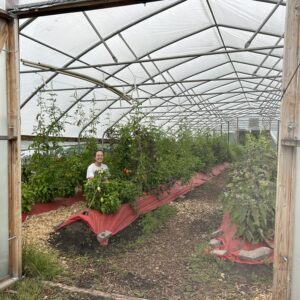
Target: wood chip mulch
x=168 y=265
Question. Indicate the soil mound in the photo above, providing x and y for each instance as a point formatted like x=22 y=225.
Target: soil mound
x=77 y=238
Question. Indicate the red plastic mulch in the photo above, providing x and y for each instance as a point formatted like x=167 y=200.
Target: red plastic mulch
x=235 y=245
x=114 y=223
x=55 y=204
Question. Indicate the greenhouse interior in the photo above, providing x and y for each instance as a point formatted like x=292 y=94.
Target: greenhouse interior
x=187 y=112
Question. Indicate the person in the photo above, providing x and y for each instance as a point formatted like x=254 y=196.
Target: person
x=97 y=165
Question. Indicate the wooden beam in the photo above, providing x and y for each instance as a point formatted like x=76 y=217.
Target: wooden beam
x=14 y=146
x=51 y=7
x=3 y=33
x=284 y=285
x=4 y=15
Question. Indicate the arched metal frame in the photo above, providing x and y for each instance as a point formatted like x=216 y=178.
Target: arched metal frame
x=220 y=109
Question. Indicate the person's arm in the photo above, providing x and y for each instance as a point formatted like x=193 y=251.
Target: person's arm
x=89 y=172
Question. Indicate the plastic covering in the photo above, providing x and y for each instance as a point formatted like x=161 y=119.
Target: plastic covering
x=234 y=245
x=171 y=57
x=4 y=172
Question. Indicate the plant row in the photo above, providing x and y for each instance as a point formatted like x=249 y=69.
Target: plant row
x=250 y=196
x=139 y=158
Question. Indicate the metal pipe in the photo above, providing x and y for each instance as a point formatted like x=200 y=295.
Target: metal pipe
x=248 y=43
x=267 y=56
x=130 y=110
x=135 y=56
x=270 y=2
x=100 y=37
x=190 y=104
x=94 y=46
x=173 y=57
x=271 y=91
x=183 y=91
x=26 y=23
x=79 y=76
x=65 y=54
x=224 y=45
x=179 y=114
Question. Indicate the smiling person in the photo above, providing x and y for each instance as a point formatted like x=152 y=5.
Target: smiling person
x=97 y=165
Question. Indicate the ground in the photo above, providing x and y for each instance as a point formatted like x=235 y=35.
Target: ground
x=171 y=263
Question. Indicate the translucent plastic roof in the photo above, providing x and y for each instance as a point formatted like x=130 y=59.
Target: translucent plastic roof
x=205 y=62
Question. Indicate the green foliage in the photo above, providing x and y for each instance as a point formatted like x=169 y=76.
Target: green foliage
x=219 y=148
x=153 y=220
x=51 y=176
x=205 y=267
x=201 y=148
x=149 y=157
x=140 y=159
x=46 y=176
x=134 y=155
x=51 y=171
x=27 y=197
x=107 y=195
x=236 y=152
x=25 y=289
x=39 y=264
x=49 y=129
x=250 y=196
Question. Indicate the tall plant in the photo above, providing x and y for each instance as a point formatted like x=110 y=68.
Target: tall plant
x=250 y=196
x=49 y=126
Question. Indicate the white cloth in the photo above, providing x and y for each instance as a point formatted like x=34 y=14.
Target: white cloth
x=92 y=168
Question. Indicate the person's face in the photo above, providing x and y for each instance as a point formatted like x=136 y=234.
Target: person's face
x=99 y=157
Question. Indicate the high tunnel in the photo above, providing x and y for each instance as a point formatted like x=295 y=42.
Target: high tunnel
x=212 y=65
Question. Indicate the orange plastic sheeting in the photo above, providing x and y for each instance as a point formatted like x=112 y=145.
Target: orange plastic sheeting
x=114 y=223
x=235 y=245
x=55 y=204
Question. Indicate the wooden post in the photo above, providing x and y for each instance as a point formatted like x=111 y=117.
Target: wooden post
x=221 y=129
x=287 y=229
x=14 y=160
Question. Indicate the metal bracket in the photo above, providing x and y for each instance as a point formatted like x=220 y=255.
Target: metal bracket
x=7 y=138
x=290 y=143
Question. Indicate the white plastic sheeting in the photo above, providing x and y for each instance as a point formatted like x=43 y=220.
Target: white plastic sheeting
x=160 y=54
x=3 y=171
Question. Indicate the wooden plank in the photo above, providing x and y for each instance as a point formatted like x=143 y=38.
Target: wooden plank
x=3 y=33
x=91 y=292
x=287 y=172
x=14 y=163
x=5 y=283
x=70 y=6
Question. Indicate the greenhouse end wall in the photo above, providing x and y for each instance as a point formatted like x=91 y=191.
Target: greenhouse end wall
x=4 y=248
x=10 y=166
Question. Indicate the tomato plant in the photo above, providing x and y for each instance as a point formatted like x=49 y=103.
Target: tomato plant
x=107 y=195
x=250 y=196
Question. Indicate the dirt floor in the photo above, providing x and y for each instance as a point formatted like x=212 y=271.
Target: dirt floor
x=171 y=263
